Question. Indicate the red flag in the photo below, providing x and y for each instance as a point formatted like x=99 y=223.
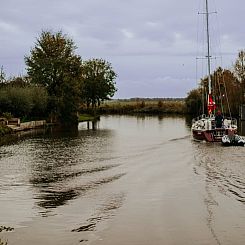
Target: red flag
x=211 y=104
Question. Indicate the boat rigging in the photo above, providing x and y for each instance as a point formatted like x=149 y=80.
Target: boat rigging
x=205 y=126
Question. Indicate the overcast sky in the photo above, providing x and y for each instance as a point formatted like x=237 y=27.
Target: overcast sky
x=152 y=45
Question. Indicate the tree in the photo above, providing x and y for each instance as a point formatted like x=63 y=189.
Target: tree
x=54 y=64
x=20 y=81
x=194 y=101
x=225 y=91
x=228 y=87
x=98 y=81
x=239 y=70
x=232 y=90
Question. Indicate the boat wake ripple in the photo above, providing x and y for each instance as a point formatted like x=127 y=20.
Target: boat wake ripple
x=181 y=138
x=106 y=211
x=52 y=177
x=54 y=197
x=224 y=169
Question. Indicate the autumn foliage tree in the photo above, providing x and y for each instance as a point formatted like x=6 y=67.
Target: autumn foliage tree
x=226 y=91
x=239 y=70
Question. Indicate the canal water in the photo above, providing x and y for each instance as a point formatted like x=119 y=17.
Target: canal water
x=125 y=181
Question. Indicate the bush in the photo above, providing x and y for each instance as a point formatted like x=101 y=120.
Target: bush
x=23 y=101
x=160 y=104
x=194 y=102
x=4 y=130
x=7 y=115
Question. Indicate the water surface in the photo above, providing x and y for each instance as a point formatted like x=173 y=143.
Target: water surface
x=130 y=180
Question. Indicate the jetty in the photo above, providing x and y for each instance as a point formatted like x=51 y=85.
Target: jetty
x=15 y=125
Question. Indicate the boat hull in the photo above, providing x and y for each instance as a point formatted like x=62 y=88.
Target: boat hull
x=214 y=135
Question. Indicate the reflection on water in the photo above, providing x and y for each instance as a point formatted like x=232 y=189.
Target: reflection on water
x=224 y=169
x=49 y=168
x=73 y=182
x=56 y=166
x=104 y=212
x=224 y=172
x=62 y=165
x=51 y=197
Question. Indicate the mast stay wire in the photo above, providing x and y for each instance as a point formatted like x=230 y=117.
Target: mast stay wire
x=215 y=49
x=219 y=49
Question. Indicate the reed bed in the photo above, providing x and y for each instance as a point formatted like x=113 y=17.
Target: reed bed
x=170 y=106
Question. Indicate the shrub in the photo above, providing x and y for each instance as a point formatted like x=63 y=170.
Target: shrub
x=23 y=101
x=4 y=130
x=160 y=104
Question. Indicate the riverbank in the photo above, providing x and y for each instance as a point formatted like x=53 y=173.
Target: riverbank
x=15 y=126
x=11 y=128
x=146 y=106
x=120 y=106
x=87 y=118
x=5 y=130
x=27 y=125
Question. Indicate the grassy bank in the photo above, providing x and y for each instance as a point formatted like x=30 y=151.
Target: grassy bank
x=148 y=106
x=87 y=117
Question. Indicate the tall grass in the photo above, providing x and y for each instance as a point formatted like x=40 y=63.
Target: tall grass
x=143 y=106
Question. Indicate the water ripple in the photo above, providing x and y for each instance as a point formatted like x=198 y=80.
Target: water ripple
x=52 y=198
x=223 y=168
x=52 y=177
x=106 y=211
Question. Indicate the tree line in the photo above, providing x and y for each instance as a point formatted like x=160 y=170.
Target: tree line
x=58 y=82
x=228 y=89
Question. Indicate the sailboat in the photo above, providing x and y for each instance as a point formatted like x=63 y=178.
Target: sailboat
x=205 y=127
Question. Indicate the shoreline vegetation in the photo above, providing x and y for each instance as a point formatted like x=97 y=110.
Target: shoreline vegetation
x=150 y=106
x=145 y=106
x=87 y=118
x=5 y=130
x=63 y=89
x=58 y=82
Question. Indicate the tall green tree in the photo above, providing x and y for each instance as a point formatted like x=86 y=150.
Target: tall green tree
x=98 y=81
x=54 y=64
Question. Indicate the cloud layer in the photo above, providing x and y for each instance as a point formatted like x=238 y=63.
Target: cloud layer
x=151 y=44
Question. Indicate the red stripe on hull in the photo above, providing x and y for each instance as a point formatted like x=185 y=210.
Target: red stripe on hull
x=209 y=135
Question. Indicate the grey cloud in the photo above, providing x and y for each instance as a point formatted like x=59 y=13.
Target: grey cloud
x=144 y=40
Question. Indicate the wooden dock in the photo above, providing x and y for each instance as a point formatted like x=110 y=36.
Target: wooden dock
x=26 y=125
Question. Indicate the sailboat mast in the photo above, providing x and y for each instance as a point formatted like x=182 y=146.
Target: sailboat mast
x=208 y=49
